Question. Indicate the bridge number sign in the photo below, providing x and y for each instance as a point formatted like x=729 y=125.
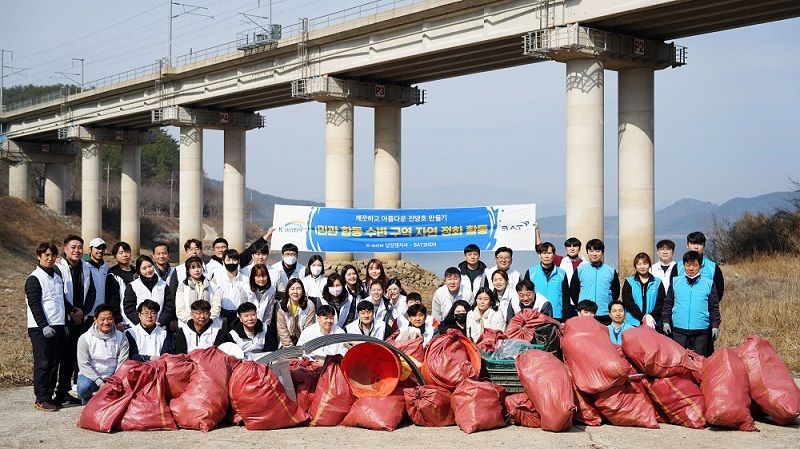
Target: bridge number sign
x=638 y=47
x=223 y=118
x=380 y=91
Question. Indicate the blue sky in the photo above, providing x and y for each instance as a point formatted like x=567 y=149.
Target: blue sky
x=726 y=124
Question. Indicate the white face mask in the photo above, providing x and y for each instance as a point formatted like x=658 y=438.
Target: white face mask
x=316 y=270
x=335 y=291
x=289 y=260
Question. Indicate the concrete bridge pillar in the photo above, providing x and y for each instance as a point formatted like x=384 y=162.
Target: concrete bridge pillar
x=129 y=197
x=191 y=184
x=91 y=200
x=584 y=159
x=55 y=187
x=339 y=160
x=19 y=181
x=636 y=165
x=233 y=224
x=388 y=120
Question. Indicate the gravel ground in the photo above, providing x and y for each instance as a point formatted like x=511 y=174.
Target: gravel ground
x=21 y=426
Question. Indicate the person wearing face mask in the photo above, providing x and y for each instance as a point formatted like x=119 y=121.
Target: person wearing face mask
x=194 y=288
x=528 y=298
x=503 y=257
x=295 y=313
x=314 y=281
x=230 y=291
x=288 y=268
x=456 y=318
x=335 y=295
x=324 y=326
x=147 y=286
x=484 y=315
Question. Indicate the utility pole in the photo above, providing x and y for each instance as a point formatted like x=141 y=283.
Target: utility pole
x=171 y=183
x=108 y=179
x=192 y=10
x=73 y=64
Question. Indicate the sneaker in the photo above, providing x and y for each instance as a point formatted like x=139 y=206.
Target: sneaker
x=67 y=400
x=45 y=406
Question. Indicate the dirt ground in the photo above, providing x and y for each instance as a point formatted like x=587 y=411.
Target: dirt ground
x=21 y=426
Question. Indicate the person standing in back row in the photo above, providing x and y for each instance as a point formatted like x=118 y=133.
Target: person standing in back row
x=119 y=276
x=44 y=301
x=473 y=270
x=596 y=280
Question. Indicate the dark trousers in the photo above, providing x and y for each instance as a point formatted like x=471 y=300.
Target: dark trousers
x=46 y=358
x=698 y=342
x=67 y=370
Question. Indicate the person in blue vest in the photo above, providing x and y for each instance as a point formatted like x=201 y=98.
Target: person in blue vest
x=691 y=307
x=643 y=295
x=696 y=241
x=596 y=280
x=551 y=281
x=616 y=310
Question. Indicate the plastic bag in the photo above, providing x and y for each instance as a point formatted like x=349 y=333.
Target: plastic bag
x=205 y=402
x=429 y=406
x=549 y=387
x=657 y=355
x=726 y=391
x=489 y=339
x=450 y=359
x=772 y=386
x=148 y=409
x=412 y=347
x=593 y=360
x=179 y=368
x=509 y=349
x=521 y=411
x=332 y=397
x=258 y=397
x=105 y=410
x=305 y=375
x=681 y=400
x=626 y=405
x=523 y=325
x=585 y=412
x=376 y=413
x=477 y=406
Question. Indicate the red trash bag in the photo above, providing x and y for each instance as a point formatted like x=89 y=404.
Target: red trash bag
x=429 y=406
x=772 y=386
x=627 y=405
x=657 y=355
x=105 y=409
x=585 y=412
x=259 y=399
x=179 y=372
x=487 y=342
x=521 y=411
x=477 y=406
x=305 y=375
x=148 y=409
x=332 y=398
x=548 y=385
x=592 y=359
x=523 y=325
x=376 y=412
x=450 y=359
x=413 y=348
x=205 y=402
x=726 y=391
x=681 y=400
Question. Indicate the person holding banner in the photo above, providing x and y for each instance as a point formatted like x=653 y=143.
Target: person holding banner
x=335 y=295
x=314 y=281
x=452 y=291
x=295 y=313
x=375 y=273
x=288 y=268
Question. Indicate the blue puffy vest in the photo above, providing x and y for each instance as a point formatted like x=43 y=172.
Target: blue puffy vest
x=690 y=311
x=707 y=269
x=596 y=285
x=616 y=337
x=651 y=295
x=551 y=287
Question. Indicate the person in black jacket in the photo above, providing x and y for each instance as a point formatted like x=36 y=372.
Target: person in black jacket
x=456 y=318
x=119 y=276
x=200 y=331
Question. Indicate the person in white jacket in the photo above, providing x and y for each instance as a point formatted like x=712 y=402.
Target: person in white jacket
x=101 y=351
x=503 y=291
x=450 y=292
x=366 y=323
x=484 y=315
x=314 y=280
x=323 y=326
x=287 y=268
x=195 y=287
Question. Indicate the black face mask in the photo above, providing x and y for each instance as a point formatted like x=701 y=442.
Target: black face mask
x=231 y=267
x=460 y=318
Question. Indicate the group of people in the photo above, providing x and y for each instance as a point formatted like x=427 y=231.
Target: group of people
x=89 y=317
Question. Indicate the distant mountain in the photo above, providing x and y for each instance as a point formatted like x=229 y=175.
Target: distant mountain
x=264 y=204
x=688 y=214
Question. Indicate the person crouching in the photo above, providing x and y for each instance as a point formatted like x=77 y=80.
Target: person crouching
x=101 y=351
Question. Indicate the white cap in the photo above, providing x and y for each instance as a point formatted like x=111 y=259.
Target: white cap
x=97 y=242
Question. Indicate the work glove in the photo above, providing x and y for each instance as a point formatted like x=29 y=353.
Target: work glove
x=48 y=332
x=649 y=321
x=714 y=333
x=667 y=329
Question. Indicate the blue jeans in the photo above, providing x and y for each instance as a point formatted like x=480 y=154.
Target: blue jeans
x=86 y=387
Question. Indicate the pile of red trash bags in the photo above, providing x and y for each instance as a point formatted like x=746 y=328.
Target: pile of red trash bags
x=649 y=380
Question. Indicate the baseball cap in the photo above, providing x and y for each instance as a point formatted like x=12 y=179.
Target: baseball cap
x=97 y=242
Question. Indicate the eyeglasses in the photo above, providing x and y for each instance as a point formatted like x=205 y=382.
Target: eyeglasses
x=148 y=313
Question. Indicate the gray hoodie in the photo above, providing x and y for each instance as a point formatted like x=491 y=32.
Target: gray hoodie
x=99 y=354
